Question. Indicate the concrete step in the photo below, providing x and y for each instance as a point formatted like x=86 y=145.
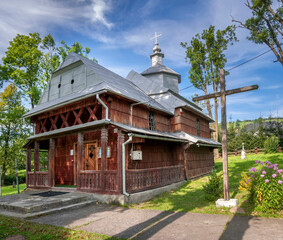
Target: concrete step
x=46 y=212
x=39 y=205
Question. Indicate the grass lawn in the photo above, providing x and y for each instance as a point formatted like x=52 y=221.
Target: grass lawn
x=8 y=190
x=13 y=226
x=190 y=197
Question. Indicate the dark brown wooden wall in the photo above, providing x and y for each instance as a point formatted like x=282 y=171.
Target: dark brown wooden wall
x=155 y=154
x=64 y=162
x=187 y=122
x=200 y=161
x=120 y=112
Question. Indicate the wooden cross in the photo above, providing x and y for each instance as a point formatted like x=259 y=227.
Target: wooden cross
x=156 y=36
x=223 y=94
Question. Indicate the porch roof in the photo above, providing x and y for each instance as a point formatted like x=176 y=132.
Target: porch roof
x=177 y=137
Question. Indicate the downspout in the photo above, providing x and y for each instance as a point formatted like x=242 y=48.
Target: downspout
x=104 y=105
x=124 y=164
x=131 y=111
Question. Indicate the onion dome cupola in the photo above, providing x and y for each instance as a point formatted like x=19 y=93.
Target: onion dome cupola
x=159 y=73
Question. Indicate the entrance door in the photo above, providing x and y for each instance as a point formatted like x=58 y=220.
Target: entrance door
x=90 y=156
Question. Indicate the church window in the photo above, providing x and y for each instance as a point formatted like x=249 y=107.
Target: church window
x=198 y=127
x=151 y=119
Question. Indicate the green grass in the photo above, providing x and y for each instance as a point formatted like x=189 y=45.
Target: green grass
x=8 y=190
x=190 y=197
x=13 y=226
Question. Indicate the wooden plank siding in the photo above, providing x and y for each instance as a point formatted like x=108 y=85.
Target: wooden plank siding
x=187 y=122
x=200 y=161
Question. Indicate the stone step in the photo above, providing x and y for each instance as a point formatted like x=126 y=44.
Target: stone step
x=40 y=206
x=49 y=211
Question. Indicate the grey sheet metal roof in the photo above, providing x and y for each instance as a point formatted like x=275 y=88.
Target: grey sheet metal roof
x=171 y=101
x=197 y=139
x=109 y=81
x=166 y=97
x=146 y=84
x=159 y=68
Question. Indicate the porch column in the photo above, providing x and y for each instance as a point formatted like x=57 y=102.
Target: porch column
x=51 y=166
x=120 y=141
x=36 y=160
x=28 y=165
x=104 y=139
x=79 y=156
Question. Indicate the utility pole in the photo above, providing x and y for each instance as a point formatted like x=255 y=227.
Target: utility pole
x=223 y=93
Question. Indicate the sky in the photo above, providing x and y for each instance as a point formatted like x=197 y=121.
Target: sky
x=119 y=31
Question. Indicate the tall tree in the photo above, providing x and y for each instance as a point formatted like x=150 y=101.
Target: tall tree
x=30 y=61
x=22 y=65
x=206 y=56
x=11 y=124
x=266 y=24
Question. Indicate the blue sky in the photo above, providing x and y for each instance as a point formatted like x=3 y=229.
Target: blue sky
x=119 y=32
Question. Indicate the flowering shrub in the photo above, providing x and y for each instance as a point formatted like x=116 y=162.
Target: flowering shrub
x=266 y=185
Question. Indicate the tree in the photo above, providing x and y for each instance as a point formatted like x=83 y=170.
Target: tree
x=206 y=56
x=11 y=125
x=22 y=65
x=30 y=61
x=265 y=25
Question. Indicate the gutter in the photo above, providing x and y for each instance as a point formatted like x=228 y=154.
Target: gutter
x=131 y=110
x=124 y=165
x=208 y=145
x=157 y=138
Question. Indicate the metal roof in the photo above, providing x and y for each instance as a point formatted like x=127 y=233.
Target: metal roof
x=108 y=81
x=159 y=68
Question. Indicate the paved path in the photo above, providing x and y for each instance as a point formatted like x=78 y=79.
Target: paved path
x=153 y=224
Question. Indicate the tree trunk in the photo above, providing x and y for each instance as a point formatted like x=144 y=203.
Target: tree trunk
x=208 y=104
x=216 y=151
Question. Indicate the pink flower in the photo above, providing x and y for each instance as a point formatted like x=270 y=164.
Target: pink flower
x=262 y=175
x=275 y=165
x=256 y=161
x=249 y=180
x=254 y=169
x=264 y=172
x=262 y=163
x=280 y=170
x=274 y=175
x=266 y=180
x=279 y=181
x=275 y=168
x=252 y=176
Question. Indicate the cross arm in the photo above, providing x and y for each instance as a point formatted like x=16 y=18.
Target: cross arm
x=228 y=92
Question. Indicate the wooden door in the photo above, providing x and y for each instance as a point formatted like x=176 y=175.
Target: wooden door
x=90 y=156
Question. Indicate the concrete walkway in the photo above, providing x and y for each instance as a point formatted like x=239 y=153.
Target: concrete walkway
x=153 y=224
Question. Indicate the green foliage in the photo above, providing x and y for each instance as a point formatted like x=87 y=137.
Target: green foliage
x=271 y=144
x=213 y=188
x=245 y=183
x=266 y=24
x=206 y=56
x=30 y=61
x=10 y=179
x=13 y=129
x=267 y=187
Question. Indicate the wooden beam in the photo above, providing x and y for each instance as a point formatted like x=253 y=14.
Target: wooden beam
x=224 y=136
x=104 y=139
x=51 y=167
x=228 y=92
x=80 y=147
x=185 y=148
x=120 y=141
x=35 y=160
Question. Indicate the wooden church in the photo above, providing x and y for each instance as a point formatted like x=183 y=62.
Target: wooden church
x=111 y=135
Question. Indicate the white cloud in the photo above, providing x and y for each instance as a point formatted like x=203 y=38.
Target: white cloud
x=99 y=8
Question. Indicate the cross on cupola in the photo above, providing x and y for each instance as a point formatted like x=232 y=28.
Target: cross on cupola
x=157 y=55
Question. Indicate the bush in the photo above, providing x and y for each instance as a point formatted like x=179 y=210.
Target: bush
x=271 y=144
x=213 y=189
x=10 y=179
x=267 y=187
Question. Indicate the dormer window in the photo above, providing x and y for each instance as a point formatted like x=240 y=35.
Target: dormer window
x=72 y=81
x=59 y=85
x=198 y=127
x=151 y=121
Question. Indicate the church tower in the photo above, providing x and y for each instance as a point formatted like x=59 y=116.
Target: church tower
x=159 y=73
